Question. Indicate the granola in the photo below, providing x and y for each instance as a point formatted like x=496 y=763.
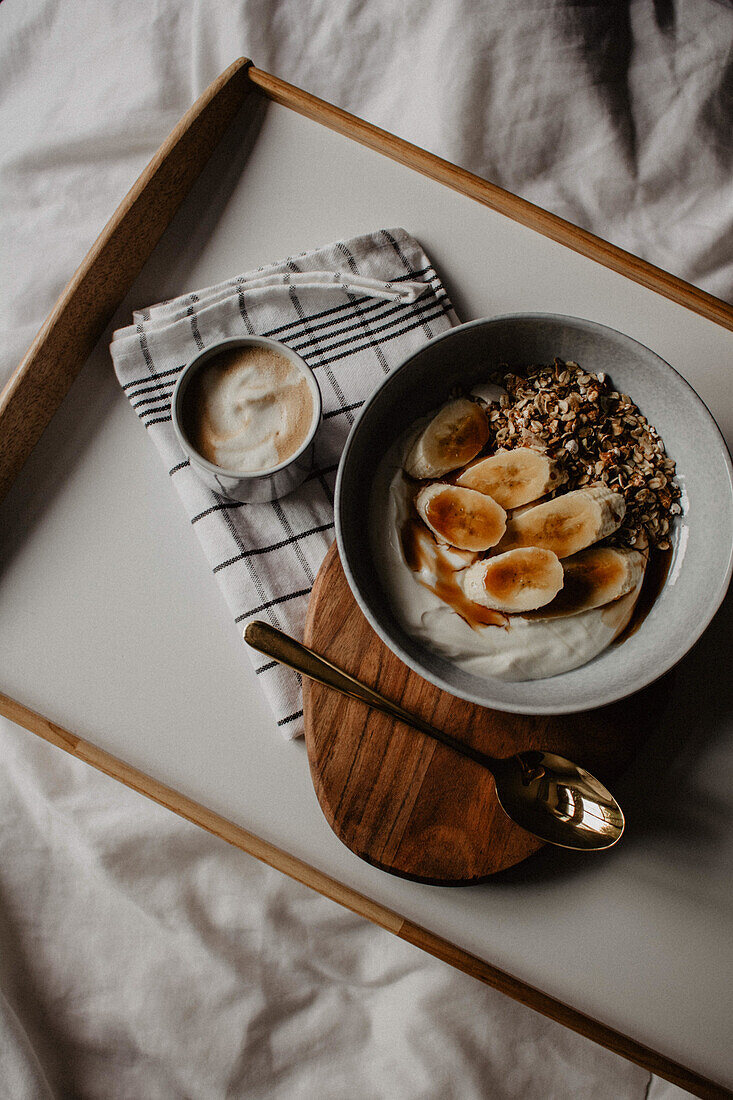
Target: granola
x=595 y=434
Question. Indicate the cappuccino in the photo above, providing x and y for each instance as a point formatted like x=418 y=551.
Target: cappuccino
x=248 y=409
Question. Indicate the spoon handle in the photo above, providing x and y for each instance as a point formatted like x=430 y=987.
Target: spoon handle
x=280 y=647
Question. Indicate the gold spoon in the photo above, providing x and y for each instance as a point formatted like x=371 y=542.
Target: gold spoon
x=546 y=794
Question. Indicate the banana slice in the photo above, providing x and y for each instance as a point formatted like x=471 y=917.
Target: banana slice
x=520 y=580
x=461 y=517
x=453 y=437
x=568 y=523
x=595 y=577
x=512 y=478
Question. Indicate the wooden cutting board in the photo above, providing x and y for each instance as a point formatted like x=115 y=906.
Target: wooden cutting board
x=407 y=804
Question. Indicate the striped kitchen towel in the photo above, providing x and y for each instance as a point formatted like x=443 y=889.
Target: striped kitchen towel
x=353 y=310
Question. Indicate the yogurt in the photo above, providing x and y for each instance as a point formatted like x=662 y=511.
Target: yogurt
x=509 y=648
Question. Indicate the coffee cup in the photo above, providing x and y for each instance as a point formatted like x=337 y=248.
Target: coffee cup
x=246 y=412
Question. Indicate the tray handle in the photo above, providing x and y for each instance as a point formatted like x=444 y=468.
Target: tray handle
x=87 y=303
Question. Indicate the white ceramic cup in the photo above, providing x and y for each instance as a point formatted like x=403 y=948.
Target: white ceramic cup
x=248 y=486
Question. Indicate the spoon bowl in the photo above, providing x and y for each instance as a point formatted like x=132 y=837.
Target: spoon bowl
x=549 y=796
x=557 y=801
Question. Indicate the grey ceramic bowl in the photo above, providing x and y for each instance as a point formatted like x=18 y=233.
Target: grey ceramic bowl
x=702 y=537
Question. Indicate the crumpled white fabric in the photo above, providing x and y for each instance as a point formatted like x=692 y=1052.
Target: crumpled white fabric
x=143 y=958
x=138 y=955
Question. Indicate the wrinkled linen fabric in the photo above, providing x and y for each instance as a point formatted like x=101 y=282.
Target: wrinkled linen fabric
x=138 y=955
x=144 y=959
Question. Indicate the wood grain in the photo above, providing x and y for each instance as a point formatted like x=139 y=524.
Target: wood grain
x=405 y=803
x=373 y=911
x=489 y=194
x=38 y=386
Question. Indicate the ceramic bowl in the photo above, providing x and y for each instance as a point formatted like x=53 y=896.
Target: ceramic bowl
x=702 y=538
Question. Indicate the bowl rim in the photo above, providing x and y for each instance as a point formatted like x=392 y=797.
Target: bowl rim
x=603 y=698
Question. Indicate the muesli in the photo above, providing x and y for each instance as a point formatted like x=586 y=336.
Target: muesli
x=521 y=520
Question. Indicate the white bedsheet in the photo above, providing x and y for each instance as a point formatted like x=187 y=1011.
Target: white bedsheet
x=140 y=957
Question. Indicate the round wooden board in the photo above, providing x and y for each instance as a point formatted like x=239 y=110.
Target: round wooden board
x=405 y=803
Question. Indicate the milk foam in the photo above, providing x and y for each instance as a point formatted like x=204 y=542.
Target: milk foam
x=248 y=409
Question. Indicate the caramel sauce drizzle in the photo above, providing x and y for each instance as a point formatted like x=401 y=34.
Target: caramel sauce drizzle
x=579 y=583
x=423 y=552
x=655 y=578
x=483 y=525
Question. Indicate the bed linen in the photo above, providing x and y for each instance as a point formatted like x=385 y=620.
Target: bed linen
x=140 y=957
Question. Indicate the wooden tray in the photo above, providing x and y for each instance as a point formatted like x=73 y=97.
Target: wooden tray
x=85 y=307
x=411 y=806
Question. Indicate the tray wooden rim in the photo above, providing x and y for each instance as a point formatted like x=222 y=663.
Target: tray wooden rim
x=37 y=387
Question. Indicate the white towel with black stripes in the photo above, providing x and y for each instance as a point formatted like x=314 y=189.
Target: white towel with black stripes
x=353 y=310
